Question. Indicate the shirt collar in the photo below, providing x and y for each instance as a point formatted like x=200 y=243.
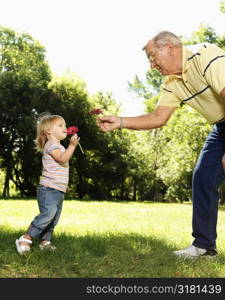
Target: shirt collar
x=186 y=53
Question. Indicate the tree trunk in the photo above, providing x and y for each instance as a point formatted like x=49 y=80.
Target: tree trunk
x=6 y=185
x=135 y=191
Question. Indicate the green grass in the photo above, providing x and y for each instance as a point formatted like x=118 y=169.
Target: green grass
x=108 y=240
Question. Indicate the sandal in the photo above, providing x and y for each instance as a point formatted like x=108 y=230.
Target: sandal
x=23 y=249
x=47 y=246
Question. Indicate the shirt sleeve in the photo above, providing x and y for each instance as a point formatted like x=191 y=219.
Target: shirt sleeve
x=52 y=147
x=213 y=66
x=167 y=98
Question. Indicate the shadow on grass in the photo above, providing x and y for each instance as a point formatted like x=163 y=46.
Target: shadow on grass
x=102 y=256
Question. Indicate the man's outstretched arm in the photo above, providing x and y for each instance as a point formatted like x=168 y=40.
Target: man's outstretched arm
x=156 y=119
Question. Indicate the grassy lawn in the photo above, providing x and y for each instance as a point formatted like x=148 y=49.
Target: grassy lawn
x=108 y=240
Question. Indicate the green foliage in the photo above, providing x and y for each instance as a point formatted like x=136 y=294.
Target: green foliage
x=26 y=90
x=184 y=136
x=24 y=76
x=128 y=165
x=222 y=6
x=203 y=34
x=146 y=89
x=102 y=171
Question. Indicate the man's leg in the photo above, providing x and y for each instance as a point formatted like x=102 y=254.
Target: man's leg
x=207 y=177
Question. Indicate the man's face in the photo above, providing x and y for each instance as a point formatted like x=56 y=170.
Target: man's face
x=160 y=58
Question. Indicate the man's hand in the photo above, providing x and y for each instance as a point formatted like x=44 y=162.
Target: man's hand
x=156 y=119
x=108 y=123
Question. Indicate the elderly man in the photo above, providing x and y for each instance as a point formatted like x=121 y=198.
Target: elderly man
x=197 y=79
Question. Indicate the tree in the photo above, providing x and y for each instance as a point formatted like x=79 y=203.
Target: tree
x=99 y=172
x=204 y=34
x=26 y=90
x=222 y=6
x=24 y=77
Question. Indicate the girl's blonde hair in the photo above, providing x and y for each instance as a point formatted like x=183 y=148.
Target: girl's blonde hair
x=44 y=123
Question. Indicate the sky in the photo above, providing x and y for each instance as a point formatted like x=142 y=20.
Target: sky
x=101 y=40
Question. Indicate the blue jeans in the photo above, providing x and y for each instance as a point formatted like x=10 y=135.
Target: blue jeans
x=50 y=205
x=207 y=177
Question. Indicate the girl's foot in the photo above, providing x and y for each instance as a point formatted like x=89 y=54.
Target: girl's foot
x=46 y=245
x=23 y=244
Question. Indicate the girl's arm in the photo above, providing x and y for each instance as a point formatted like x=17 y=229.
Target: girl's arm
x=63 y=157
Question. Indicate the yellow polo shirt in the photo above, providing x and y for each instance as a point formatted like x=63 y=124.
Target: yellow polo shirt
x=200 y=84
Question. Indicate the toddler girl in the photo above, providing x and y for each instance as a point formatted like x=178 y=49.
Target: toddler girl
x=51 y=129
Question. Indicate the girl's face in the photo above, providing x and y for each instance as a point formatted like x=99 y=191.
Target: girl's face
x=58 y=129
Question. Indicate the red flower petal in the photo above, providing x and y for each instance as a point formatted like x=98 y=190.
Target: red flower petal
x=72 y=130
x=96 y=111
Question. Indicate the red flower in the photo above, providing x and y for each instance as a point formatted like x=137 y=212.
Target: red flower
x=96 y=111
x=72 y=130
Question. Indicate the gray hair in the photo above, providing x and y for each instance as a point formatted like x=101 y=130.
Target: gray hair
x=163 y=37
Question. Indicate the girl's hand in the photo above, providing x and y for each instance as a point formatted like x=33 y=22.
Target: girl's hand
x=74 y=140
